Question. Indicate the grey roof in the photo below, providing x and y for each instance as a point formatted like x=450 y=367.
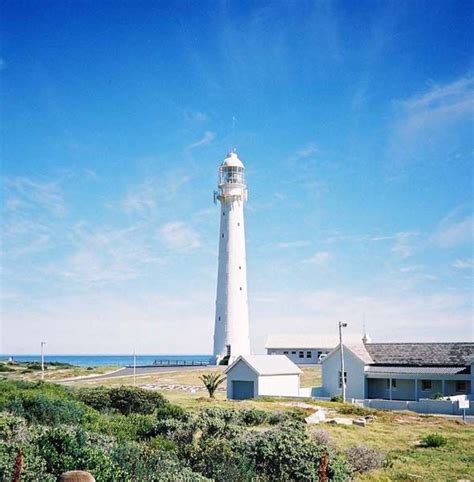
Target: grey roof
x=268 y=364
x=418 y=370
x=360 y=351
x=305 y=341
x=421 y=354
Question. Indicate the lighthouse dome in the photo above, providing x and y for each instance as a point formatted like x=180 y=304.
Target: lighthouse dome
x=232 y=160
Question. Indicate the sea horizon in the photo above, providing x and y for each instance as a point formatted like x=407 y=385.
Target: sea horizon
x=91 y=360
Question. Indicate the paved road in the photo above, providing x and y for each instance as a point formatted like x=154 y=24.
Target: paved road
x=127 y=372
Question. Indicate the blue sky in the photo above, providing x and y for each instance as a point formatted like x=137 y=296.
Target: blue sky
x=355 y=122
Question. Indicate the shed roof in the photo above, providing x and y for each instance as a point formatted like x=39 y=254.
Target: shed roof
x=268 y=364
x=421 y=354
x=304 y=341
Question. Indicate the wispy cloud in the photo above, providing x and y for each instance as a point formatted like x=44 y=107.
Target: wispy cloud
x=453 y=231
x=206 y=139
x=140 y=198
x=463 y=263
x=35 y=193
x=293 y=244
x=178 y=235
x=404 y=244
x=319 y=258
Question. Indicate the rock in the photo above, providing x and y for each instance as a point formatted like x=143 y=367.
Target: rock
x=316 y=417
x=369 y=418
x=76 y=476
x=340 y=421
x=360 y=422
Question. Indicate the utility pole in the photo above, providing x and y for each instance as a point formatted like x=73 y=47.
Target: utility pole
x=42 y=359
x=341 y=349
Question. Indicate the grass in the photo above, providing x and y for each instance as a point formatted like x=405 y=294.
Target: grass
x=311 y=376
x=52 y=373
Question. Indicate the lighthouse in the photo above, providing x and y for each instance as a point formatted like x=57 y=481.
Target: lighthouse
x=231 y=329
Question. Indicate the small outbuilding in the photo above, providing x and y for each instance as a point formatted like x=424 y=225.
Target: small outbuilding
x=251 y=376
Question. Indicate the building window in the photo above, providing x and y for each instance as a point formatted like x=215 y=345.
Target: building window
x=285 y=353
x=319 y=354
x=461 y=386
x=340 y=379
x=223 y=213
x=222 y=234
x=425 y=385
x=301 y=354
x=219 y=318
x=308 y=354
x=293 y=352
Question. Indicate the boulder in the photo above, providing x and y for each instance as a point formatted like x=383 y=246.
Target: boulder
x=316 y=417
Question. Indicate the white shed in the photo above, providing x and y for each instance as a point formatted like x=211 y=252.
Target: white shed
x=253 y=376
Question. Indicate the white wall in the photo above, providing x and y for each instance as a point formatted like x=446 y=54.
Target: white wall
x=295 y=357
x=354 y=367
x=279 y=385
x=241 y=372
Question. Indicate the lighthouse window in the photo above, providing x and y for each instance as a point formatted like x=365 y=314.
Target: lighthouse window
x=222 y=234
x=238 y=224
x=241 y=288
x=240 y=267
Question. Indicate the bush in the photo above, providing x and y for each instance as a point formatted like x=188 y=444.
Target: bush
x=39 y=408
x=172 y=411
x=337 y=398
x=433 y=440
x=123 y=399
x=287 y=453
x=321 y=437
x=363 y=458
x=219 y=460
x=253 y=416
x=437 y=396
x=350 y=409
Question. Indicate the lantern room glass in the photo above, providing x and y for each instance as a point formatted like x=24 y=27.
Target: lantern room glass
x=231 y=175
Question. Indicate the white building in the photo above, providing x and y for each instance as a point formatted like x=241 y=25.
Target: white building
x=400 y=371
x=251 y=376
x=231 y=332
x=302 y=349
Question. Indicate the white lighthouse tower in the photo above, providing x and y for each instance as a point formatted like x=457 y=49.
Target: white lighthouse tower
x=231 y=332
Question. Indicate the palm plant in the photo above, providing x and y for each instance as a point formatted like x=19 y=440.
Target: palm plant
x=212 y=381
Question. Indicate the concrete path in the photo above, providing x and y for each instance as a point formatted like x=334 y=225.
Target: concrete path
x=128 y=372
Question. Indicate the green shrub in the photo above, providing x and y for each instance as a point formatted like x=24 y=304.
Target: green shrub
x=6 y=368
x=437 y=396
x=181 y=433
x=172 y=411
x=253 y=416
x=433 y=440
x=219 y=460
x=287 y=453
x=40 y=408
x=123 y=399
x=350 y=409
x=337 y=398
x=363 y=458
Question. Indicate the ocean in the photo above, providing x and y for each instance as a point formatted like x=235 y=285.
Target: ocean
x=106 y=360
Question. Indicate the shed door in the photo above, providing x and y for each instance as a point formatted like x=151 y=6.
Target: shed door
x=242 y=390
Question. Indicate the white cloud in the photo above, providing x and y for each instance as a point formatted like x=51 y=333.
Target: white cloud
x=207 y=138
x=179 y=236
x=411 y=269
x=453 y=232
x=463 y=264
x=293 y=244
x=320 y=258
x=36 y=194
x=140 y=198
x=404 y=244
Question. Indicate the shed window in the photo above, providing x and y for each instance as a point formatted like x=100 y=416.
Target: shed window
x=340 y=379
x=308 y=354
x=461 y=386
x=301 y=354
x=425 y=385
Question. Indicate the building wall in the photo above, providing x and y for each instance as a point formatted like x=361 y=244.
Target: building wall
x=294 y=354
x=354 y=367
x=279 y=385
x=242 y=372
